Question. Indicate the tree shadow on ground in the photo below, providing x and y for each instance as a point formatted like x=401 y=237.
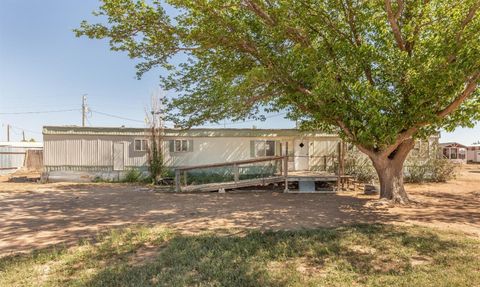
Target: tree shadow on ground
x=277 y=258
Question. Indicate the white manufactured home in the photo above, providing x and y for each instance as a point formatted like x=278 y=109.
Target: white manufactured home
x=106 y=152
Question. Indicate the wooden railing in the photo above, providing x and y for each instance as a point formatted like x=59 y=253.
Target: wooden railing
x=181 y=172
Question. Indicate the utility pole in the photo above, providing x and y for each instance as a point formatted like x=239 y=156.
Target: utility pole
x=23 y=135
x=84 y=109
x=8 y=133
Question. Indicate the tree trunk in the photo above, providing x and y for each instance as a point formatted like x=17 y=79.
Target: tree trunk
x=390 y=172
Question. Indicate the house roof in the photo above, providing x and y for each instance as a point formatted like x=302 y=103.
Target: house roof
x=194 y=132
x=452 y=144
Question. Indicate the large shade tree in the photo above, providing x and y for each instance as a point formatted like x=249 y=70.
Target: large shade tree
x=382 y=73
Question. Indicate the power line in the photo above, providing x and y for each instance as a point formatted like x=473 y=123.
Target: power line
x=22 y=129
x=38 y=112
x=117 y=117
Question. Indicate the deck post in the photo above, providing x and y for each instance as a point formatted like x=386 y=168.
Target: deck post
x=285 y=167
x=177 y=180
x=236 y=173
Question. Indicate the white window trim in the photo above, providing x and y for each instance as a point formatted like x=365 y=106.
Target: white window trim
x=265 y=147
x=181 y=145
x=143 y=145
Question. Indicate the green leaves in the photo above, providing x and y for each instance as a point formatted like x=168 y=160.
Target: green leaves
x=326 y=62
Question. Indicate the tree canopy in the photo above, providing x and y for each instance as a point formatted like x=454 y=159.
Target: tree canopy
x=378 y=72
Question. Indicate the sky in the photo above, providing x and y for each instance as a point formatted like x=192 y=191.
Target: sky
x=45 y=68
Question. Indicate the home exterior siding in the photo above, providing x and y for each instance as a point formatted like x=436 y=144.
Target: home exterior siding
x=91 y=149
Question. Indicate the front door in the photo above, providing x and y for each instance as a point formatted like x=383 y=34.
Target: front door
x=300 y=150
x=118 y=156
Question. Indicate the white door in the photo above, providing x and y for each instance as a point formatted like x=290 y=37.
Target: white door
x=300 y=150
x=118 y=156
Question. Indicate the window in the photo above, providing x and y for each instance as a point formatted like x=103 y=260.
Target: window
x=453 y=153
x=181 y=145
x=263 y=148
x=461 y=153
x=140 y=145
x=445 y=152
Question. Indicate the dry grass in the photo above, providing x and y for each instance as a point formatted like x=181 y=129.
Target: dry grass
x=358 y=255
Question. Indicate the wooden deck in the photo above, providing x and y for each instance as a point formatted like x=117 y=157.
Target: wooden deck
x=232 y=184
x=291 y=177
x=283 y=175
x=312 y=176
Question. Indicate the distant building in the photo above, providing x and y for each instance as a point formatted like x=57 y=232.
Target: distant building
x=455 y=152
x=12 y=155
x=473 y=153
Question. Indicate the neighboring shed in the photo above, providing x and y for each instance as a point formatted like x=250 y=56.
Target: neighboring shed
x=13 y=156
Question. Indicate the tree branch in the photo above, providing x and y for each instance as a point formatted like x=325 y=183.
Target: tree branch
x=393 y=20
x=470 y=15
x=468 y=18
x=352 y=136
x=271 y=21
x=470 y=87
x=350 y=16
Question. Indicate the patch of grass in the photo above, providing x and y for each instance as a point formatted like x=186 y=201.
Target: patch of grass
x=360 y=255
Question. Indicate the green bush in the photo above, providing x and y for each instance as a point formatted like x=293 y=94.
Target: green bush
x=415 y=171
x=361 y=167
x=443 y=170
x=133 y=175
x=431 y=170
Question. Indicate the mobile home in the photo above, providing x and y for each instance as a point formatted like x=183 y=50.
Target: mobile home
x=455 y=152
x=88 y=152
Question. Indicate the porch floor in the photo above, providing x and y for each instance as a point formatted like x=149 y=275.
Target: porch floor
x=307 y=175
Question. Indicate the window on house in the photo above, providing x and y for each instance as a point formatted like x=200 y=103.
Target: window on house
x=445 y=152
x=461 y=153
x=140 y=145
x=453 y=153
x=181 y=145
x=264 y=148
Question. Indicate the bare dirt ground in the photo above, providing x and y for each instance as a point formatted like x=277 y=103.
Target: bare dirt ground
x=39 y=215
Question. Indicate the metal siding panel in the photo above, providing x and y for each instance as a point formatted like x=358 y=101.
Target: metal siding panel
x=89 y=152
x=105 y=149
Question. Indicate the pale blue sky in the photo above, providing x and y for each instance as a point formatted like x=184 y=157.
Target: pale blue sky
x=44 y=67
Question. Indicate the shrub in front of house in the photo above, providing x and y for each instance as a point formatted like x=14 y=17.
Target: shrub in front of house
x=431 y=170
x=361 y=167
x=133 y=176
x=415 y=170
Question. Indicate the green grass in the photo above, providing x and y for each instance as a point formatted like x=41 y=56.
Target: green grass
x=360 y=255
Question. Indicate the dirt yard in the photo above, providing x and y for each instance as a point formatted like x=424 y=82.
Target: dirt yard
x=38 y=215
